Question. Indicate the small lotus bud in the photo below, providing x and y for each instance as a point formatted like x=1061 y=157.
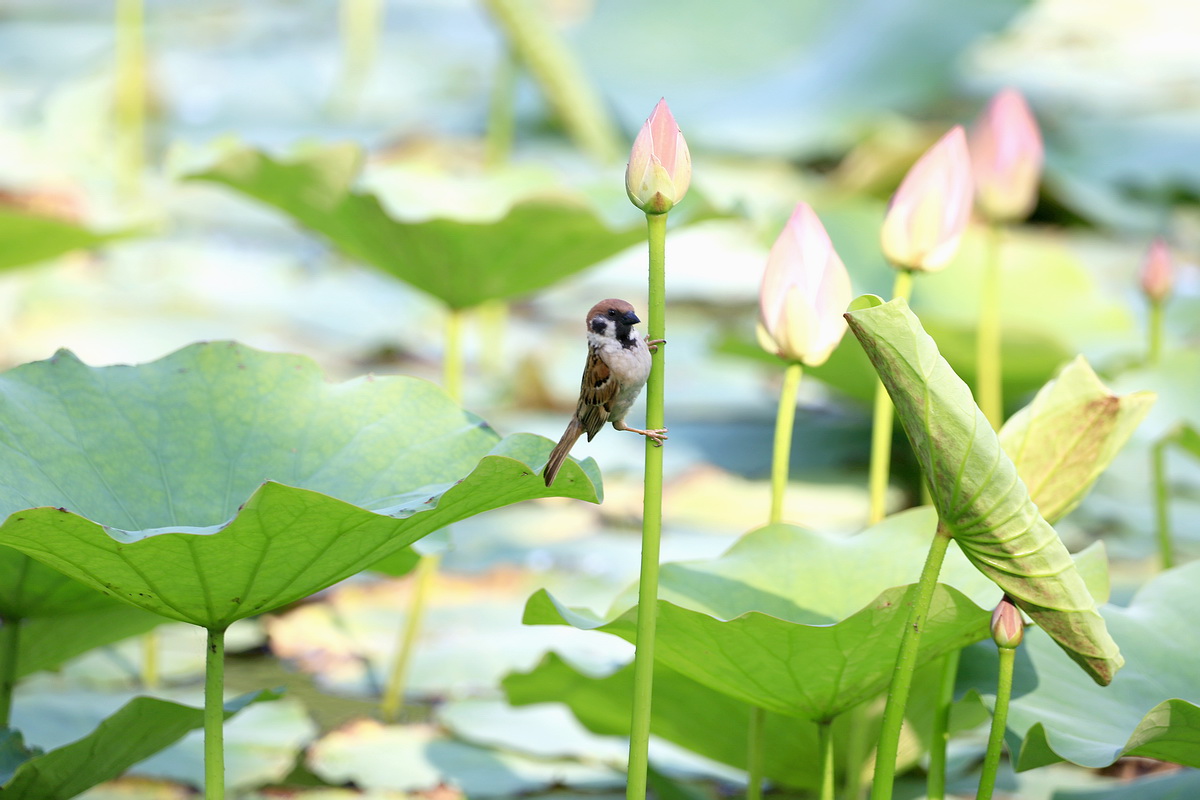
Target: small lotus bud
x=1006 y=158
x=805 y=290
x=1008 y=628
x=1158 y=271
x=660 y=166
x=930 y=211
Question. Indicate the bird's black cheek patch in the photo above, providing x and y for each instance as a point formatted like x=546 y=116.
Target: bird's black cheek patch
x=599 y=325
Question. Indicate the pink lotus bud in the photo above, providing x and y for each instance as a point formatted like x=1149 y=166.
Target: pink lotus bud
x=660 y=166
x=929 y=212
x=805 y=291
x=1006 y=157
x=1158 y=271
x=1008 y=628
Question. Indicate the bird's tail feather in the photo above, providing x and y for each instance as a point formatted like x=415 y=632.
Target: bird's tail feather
x=559 y=454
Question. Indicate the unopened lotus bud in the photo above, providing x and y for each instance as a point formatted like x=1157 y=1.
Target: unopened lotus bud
x=660 y=166
x=805 y=291
x=1158 y=271
x=1006 y=158
x=1008 y=628
x=929 y=212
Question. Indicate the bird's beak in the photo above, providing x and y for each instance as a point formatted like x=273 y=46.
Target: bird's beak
x=630 y=318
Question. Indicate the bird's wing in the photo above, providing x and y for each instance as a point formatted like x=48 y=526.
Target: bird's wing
x=596 y=395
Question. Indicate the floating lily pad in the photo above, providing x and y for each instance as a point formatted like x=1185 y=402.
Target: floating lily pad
x=735 y=623
x=417 y=758
x=976 y=488
x=221 y=482
x=139 y=729
x=461 y=263
x=29 y=238
x=1152 y=708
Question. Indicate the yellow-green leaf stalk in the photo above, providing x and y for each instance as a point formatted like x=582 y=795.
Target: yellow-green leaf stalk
x=982 y=504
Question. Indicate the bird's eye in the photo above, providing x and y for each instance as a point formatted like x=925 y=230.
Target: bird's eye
x=612 y=312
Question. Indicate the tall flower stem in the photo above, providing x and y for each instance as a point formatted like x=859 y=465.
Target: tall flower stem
x=10 y=641
x=991 y=760
x=756 y=753
x=150 y=647
x=360 y=23
x=781 y=457
x=501 y=119
x=530 y=33
x=989 y=373
x=825 y=757
x=906 y=663
x=881 y=427
x=427 y=568
x=1154 y=332
x=936 y=783
x=784 y=423
x=131 y=96
x=214 y=716
x=1162 y=502
x=643 y=667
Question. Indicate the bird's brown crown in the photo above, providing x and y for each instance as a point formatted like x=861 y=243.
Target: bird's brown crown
x=604 y=306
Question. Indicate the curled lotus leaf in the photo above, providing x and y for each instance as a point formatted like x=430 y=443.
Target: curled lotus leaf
x=976 y=488
x=221 y=482
x=1068 y=435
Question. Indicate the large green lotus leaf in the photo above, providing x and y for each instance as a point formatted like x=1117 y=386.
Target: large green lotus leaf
x=1152 y=708
x=461 y=263
x=708 y=722
x=1068 y=435
x=1176 y=381
x=29 y=238
x=47 y=642
x=221 y=482
x=140 y=728
x=1175 y=785
x=976 y=488
x=735 y=623
x=29 y=590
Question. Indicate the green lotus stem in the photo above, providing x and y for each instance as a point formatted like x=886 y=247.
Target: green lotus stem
x=755 y=753
x=427 y=568
x=10 y=644
x=453 y=361
x=393 y=692
x=881 y=426
x=501 y=121
x=130 y=102
x=541 y=49
x=214 y=716
x=936 y=782
x=784 y=422
x=991 y=760
x=359 y=23
x=906 y=664
x=150 y=659
x=857 y=750
x=1154 y=332
x=647 y=618
x=825 y=757
x=1162 y=503
x=493 y=320
x=989 y=386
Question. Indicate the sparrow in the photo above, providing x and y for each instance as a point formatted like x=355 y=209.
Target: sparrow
x=618 y=364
